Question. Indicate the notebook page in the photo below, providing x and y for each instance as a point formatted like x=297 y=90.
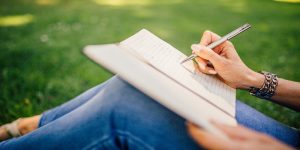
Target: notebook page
x=166 y=59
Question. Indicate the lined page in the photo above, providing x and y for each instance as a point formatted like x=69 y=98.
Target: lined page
x=166 y=59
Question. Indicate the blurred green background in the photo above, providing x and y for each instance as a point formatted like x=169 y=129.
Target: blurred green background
x=41 y=41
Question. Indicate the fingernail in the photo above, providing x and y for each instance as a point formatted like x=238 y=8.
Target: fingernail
x=212 y=72
x=195 y=47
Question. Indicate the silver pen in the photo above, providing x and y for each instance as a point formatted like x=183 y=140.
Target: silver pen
x=221 y=40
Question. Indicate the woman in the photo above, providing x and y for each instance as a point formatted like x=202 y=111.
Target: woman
x=115 y=115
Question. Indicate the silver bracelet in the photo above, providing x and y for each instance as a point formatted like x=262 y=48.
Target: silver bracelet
x=268 y=88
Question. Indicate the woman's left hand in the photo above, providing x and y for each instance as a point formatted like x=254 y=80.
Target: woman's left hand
x=240 y=138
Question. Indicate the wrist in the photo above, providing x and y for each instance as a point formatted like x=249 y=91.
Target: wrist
x=267 y=90
x=254 y=79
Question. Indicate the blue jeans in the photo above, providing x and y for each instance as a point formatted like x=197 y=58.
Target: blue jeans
x=115 y=115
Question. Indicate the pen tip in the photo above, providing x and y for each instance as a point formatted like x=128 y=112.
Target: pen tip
x=183 y=61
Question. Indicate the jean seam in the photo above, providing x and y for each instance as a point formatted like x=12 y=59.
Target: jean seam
x=128 y=135
x=134 y=138
x=98 y=143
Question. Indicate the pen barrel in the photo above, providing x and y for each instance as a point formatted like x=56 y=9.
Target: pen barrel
x=216 y=43
x=229 y=36
x=221 y=40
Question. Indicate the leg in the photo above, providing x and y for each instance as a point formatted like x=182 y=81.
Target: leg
x=28 y=124
x=69 y=106
x=118 y=117
x=128 y=119
x=255 y=120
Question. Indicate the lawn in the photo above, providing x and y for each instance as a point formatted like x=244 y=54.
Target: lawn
x=41 y=41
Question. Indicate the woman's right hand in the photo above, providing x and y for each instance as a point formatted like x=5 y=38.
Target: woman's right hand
x=226 y=63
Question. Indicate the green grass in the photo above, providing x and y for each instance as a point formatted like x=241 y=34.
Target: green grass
x=41 y=61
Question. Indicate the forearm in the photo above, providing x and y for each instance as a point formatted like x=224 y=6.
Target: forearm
x=287 y=92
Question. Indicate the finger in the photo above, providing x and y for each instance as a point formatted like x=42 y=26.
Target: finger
x=206 y=139
x=203 y=66
x=208 y=54
x=242 y=135
x=201 y=62
x=208 y=37
x=196 y=67
x=237 y=132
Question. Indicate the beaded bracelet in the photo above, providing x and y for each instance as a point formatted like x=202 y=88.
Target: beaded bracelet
x=268 y=88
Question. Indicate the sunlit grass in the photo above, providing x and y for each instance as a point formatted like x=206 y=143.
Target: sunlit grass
x=121 y=2
x=288 y=1
x=239 y=6
x=46 y=2
x=16 y=20
x=131 y=2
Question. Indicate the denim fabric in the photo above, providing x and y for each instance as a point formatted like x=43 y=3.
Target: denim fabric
x=249 y=117
x=115 y=115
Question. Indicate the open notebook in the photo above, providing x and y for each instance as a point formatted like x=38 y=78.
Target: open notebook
x=153 y=66
x=166 y=59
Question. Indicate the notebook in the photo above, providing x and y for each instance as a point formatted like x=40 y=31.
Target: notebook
x=153 y=66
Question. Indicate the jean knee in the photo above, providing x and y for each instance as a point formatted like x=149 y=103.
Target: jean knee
x=136 y=113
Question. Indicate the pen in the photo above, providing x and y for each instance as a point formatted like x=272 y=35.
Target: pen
x=221 y=40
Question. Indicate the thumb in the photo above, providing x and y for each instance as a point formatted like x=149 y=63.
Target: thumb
x=208 y=54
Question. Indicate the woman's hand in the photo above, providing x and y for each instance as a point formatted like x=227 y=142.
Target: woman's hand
x=225 y=62
x=240 y=138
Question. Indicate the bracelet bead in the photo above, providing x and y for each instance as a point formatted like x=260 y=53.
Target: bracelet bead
x=268 y=88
